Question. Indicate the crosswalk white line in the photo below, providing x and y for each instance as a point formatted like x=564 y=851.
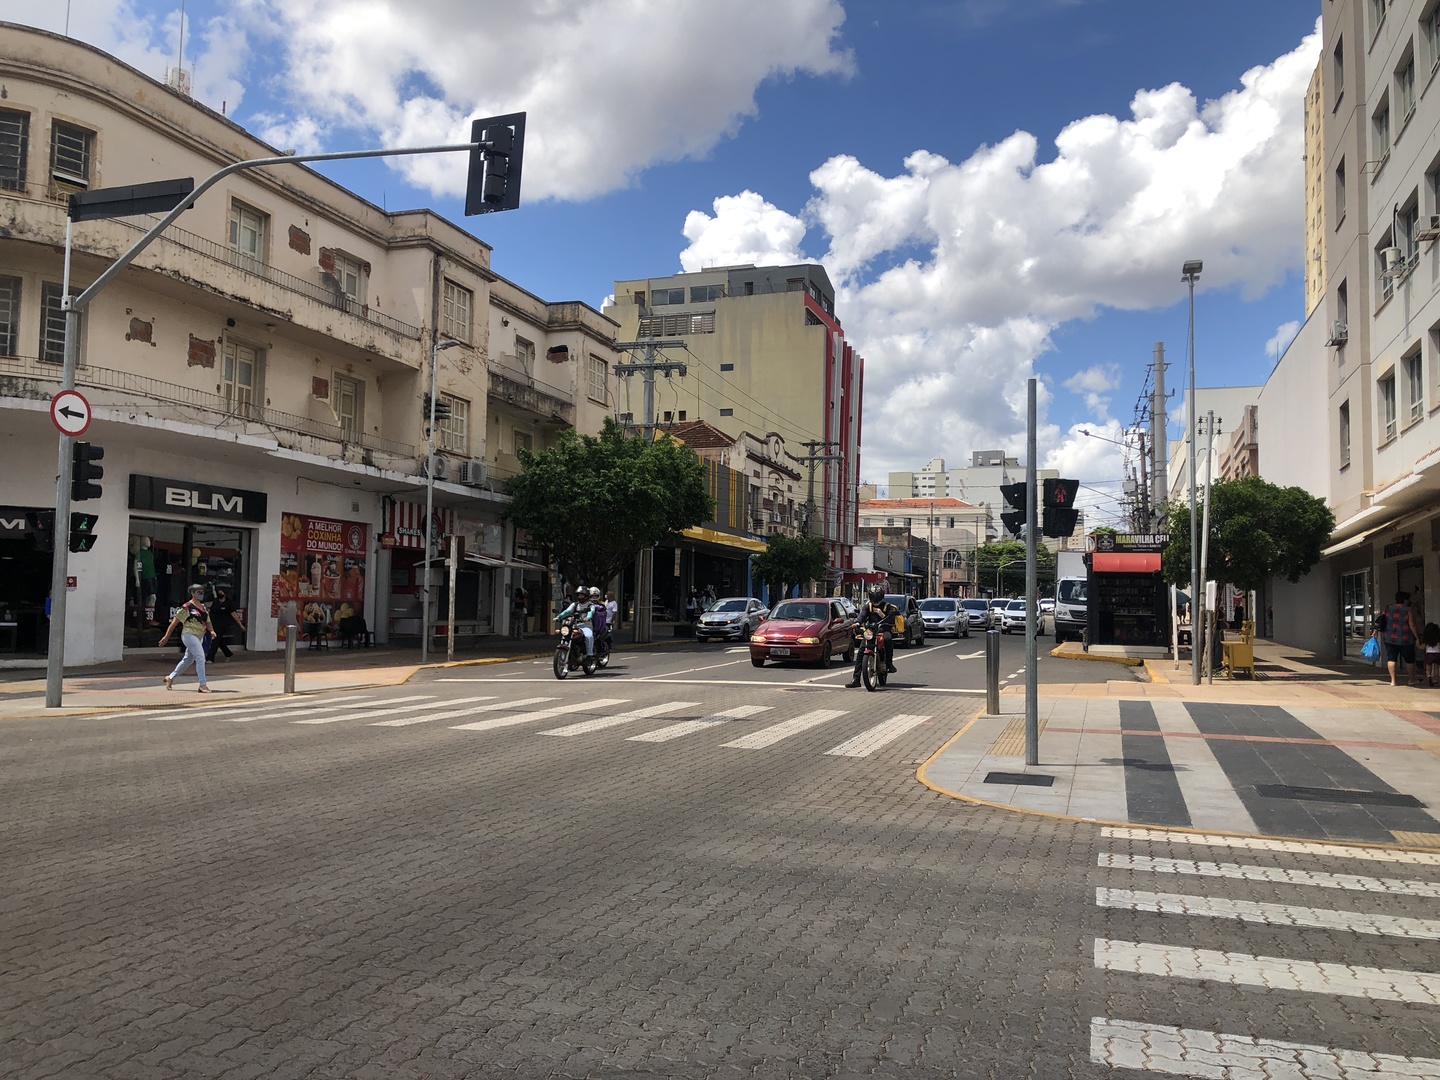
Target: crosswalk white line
x=1176 y=1051
x=216 y=710
x=424 y=718
x=585 y=727
x=471 y=710
x=1277 y=874
x=374 y=708
x=317 y=710
x=688 y=727
x=1214 y=907
x=867 y=742
x=1289 y=847
x=269 y=709
x=542 y=714
x=1271 y=972
x=758 y=740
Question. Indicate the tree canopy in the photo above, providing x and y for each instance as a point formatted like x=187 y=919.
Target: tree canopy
x=1006 y=558
x=1257 y=531
x=597 y=500
x=790 y=561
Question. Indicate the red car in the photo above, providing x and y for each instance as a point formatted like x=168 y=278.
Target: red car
x=812 y=629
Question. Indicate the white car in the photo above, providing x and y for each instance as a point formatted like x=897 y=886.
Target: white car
x=1013 y=617
x=944 y=615
x=733 y=617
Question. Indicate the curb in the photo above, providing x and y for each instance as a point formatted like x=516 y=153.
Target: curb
x=1061 y=653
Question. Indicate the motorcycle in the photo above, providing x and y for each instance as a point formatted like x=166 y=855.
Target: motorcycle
x=570 y=651
x=870 y=645
x=603 y=643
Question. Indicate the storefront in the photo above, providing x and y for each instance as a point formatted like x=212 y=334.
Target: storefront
x=404 y=538
x=26 y=544
x=183 y=533
x=320 y=583
x=1129 y=603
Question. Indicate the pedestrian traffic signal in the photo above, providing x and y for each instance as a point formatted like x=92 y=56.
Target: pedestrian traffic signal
x=1059 y=516
x=1015 y=496
x=1061 y=492
x=494 y=180
x=84 y=479
x=82 y=531
x=40 y=525
x=441 y=407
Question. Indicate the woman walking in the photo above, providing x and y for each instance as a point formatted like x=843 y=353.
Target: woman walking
x=193 y=621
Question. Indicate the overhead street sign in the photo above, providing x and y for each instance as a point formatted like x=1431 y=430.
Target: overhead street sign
x=70 y=413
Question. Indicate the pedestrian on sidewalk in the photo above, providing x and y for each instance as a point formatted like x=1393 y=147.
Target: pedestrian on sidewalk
x=519 y=609
x=1398 y=633
x=1432 y=654
x=225 y=617
x=193 y=621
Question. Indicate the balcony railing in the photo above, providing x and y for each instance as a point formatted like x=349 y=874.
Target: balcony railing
x=213 y=409
x=316 y=291
x=50 y=195
x=521 y=394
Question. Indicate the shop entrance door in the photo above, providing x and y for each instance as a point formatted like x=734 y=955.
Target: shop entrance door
x=1357 y=610
x=1410 y=578
x=166 y=557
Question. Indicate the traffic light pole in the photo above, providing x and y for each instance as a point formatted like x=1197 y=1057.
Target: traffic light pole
x=1032 y=521
x=60 y=567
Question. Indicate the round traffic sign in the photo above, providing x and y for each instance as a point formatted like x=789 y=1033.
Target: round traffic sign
x=70 y=412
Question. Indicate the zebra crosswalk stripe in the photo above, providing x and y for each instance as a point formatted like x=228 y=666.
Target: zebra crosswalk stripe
x=1259 y=843
x=1127 y=1044
x=541 y=714
x=374 y=708
x=689 y=727
x=867 y=742
x=758 y=740
x=1271 y=972
x=314 y=709
x=1276 y=874
x=1214 y=907
x=425 y=718
x=585 y=727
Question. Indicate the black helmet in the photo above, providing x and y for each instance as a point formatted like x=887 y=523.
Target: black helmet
x=582 y=593
x=877 y=593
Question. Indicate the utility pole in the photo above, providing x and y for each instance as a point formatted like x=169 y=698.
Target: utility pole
x=1159 y=443
x=812 y=458
x=646 y=368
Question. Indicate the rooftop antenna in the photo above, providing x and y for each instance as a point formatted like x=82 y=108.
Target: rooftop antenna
x=180 y=58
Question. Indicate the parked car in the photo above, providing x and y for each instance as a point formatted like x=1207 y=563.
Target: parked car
x=944 y=615
x=1013 y=617
x=998 y=605
x=813 y=629
x=734 y=617
x=914 y=632
x=978 y=609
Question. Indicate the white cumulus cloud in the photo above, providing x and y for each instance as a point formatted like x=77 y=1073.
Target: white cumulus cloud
x=745 y=229
x=1284 y=334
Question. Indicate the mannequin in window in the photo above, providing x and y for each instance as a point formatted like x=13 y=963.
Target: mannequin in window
x=145 y=567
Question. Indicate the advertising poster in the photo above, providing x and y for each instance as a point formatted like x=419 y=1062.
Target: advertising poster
x=322 y=572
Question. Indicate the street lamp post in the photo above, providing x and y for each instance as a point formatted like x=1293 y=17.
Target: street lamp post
x=1188 y=274
x=440 y=346
x=1000 y=568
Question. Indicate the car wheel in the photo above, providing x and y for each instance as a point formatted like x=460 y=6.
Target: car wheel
x=824 y=661
x=758 y=661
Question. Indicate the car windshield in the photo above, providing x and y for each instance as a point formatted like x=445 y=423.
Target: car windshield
x=974 y=605
x=1016 y=605
x=801 y=611
x=730 y=605
x=896 y=599
x=937 y=605
x=1073 y=591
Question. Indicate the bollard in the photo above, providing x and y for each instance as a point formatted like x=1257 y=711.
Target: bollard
x=992 y=672
x=290 y=631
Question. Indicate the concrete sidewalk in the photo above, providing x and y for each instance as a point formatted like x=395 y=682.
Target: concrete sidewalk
x=1308 y=750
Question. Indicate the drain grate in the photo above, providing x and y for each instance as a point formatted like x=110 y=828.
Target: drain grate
x=1336 y=795
x=1023 y=779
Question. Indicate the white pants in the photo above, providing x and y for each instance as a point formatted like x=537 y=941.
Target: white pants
x=194 y=651
x=589 y=640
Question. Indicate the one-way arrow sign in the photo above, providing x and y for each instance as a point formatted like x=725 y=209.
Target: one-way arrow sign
x=70 y=413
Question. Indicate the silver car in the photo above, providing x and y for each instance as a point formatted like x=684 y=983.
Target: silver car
x=978 y=609
x=734 y=617
x=944 y=615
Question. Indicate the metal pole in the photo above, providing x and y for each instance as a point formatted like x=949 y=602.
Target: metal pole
x=450 y=614
x=992 y=672
x=1205 y=543
x=1159 y=443
x=1032 y=526
x=429 y=503
x=290 y=631
x=60 y=531
x=1190 y=277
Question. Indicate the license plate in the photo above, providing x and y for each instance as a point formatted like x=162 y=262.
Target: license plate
x=781 y=651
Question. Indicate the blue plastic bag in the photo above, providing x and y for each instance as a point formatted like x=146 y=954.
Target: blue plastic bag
x=1371 y=649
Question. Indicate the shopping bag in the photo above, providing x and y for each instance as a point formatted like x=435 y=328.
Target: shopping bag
x=1371 y=649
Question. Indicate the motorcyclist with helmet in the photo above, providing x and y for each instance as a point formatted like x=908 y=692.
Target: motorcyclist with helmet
x=599 y=615
x=583 y=612
x=879 y=615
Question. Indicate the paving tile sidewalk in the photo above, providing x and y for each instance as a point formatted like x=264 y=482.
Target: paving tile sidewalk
x=1326 y=752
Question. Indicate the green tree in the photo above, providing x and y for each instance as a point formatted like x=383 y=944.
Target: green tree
x=596 y=500
x=790 y=561
x=1007 y=559
x=1258 y=531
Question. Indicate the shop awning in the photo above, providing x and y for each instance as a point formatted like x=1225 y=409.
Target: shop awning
x=1125 y=562
x=480 y=561
x=723 y=539
x=405 y=521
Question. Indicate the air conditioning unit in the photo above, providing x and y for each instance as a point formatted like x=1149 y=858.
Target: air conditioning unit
x=1427 y=227
x=442 y=467
x=1392 y=258
x=472 y=472
x=1339 y=334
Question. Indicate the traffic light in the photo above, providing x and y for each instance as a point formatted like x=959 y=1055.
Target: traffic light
x=84 y=480
x=82 y=531
x=1060 y=516
x=442 y=409
x=1014 y=495
x=40 y=525
x=494 y=180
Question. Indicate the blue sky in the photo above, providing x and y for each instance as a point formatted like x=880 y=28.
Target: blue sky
x=999 y=188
